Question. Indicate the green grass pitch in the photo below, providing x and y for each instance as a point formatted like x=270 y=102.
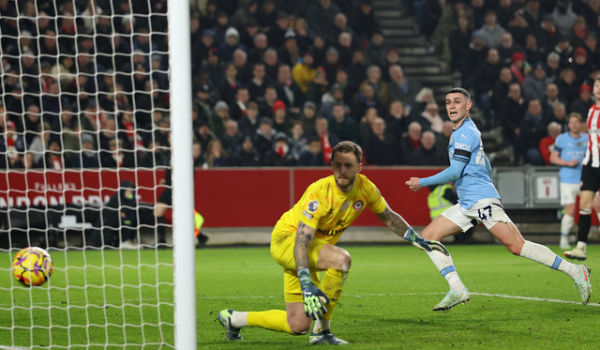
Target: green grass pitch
x=386 y=302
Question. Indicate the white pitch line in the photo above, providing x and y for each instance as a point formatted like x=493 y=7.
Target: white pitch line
x=506 y=296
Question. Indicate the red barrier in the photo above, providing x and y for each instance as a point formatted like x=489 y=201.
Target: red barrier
x=226 y=197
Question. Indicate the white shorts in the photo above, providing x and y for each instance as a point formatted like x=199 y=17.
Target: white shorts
x=488 y=211
x=569 y=193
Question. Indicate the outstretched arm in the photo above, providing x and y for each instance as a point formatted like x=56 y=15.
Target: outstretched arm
x=449 y=174
x=399 y=226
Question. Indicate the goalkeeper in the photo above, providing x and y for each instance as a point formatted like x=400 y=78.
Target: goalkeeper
x=303 y=243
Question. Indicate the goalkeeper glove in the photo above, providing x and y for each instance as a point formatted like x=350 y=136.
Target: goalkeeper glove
x=314 y=299
x=422 y=243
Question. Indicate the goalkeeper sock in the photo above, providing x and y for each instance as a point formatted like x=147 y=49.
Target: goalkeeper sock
x=445 y=266
x=275 y=320
x=331 y=285
x=321 y=325
x=239 y=319
x=566 y=223
x=544 y=255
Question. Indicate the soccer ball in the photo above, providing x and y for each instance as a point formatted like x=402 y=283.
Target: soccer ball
x=32 y=266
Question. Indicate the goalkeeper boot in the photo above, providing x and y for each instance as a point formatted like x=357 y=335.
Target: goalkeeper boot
x=325 y=337
x=224 y=318
x=453 y=298
x=583 y=283
x=578 y=253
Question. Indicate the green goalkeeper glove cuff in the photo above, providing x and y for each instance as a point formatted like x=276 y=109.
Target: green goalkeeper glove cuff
x=426 y=244
x=314 y=299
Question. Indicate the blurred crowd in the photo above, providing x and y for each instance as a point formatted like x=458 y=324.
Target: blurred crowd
x=279 y=83
x=529 y=63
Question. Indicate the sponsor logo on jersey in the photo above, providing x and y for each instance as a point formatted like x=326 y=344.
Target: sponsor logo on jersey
x=312 y=206
x=330 y=232
x=358 y=205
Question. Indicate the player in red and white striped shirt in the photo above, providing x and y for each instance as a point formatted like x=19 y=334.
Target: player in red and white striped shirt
x=590 y=177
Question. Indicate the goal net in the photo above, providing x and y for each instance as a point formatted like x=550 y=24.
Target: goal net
x=84 y=147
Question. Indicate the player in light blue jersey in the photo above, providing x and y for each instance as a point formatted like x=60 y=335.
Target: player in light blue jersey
x=569 y=149
x=478 y=200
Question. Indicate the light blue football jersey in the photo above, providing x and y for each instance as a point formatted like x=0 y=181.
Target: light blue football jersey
x=570 y=148
x=475 y=182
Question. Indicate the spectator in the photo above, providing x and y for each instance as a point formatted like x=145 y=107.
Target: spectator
x=281 y=154
x=511 y=114
x=288 y=91
x=303 y=72
x=491 y=32
x=567 y=85
x=281 y=122
x=247 y=155
x=249 y=123
x=564 y=17
x=380 y=148
x=240 y=61
x=547 y=143
x=312 y=155
x=333 y=96
x=431 y=119
x=203 y=133
x=532 y=49
x=268 y=101
x=328 y=140
x=458 y=41
x=591 y=47
x=364 y=100
x=534 y=85
x=197 y=155
x=216 y=156
x=263 y=140
x=308 y=117
x=231 y=139
x=442 y=140
x=219 y=118
x=228 y=86
x=424 y=97
x=518 y=67
x=428 y=154
x=345 y=47
x=276 y=33
x=559 y=116
x=39 y=145
x=271 y=60
x=532 y=129
x=482 y=80
x=87 y=157
x=297 y=141
x=584 y=101
x=289 y=53
x=580 y=65
x=551 y=99
x=320 y=17
x=376 y=49
x=500 y=90
x=258 y=83
x=260 y=45
x=507 y=48
x=342 y=126
x=546 y=34
x=232 y=42
x=381 y=87
x=318 y=86
x=363 y=20
x=564 y=49
x=397 y=119
x=552 y=67
x=240 y=107
x=410 y=142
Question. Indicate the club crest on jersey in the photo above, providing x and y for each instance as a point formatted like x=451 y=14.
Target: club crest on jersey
x=312 y=206
x=307 y=214
x=345 y=206
x=358 y=205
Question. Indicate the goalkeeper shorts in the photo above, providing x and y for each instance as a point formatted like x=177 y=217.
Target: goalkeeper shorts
x=282 y=251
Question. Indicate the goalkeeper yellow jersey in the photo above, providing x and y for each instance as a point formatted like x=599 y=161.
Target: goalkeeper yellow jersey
x=328 y=210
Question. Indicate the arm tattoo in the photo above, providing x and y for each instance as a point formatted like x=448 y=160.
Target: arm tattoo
x=304 y=236
x=394 y=221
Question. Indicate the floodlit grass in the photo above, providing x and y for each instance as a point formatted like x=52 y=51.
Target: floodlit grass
x=386 y=302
